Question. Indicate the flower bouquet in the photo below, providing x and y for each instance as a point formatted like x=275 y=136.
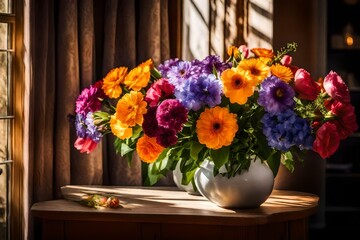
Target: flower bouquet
x=257 y=103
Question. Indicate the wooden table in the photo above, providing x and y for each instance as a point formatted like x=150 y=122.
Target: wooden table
x=167 y=213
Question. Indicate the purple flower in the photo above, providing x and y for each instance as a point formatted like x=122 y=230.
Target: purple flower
x=214 y=61
x=85 y=127
x=180 y=72
x=150 y=124
x=88 y=100
x=166 y=137
x=166 y=66
x=171 y=114
x=198 y=92
x=275 y=95
x=285 y=129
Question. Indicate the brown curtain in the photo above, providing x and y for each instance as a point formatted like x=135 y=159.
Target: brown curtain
x=74 y=44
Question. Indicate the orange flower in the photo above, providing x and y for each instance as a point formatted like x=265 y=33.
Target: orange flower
x=233 y=51
x=120 y=129
x=258 y=69
x=216 y=127
x=263 y=52
x=112 y=81
x=139 y=77
x=282 y=72
x=238 y=85
x=147 y=149
x=131 y=108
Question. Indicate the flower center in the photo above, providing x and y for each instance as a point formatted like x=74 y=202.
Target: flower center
x=216 y=126
x=255 y=71
x=279 y=93
x=182 y=72
x=238 y=82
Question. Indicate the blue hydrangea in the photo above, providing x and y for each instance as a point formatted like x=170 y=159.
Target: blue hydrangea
x=275 y=95
x=201 y=91
x=286 y=129
x=85 y=127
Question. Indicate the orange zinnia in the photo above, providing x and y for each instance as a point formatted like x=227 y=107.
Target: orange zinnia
x=258 y=69
x=282 y=72
x=263 y=52
x=120 y=129
x=216 y=127
x=139 y=77
x=112 y=81
x=148 y=149
x=131 y=108
x=238 y=85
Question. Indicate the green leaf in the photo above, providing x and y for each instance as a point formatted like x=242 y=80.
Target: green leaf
x=195 y=148
x=288 y=161
x=274 y=162
x=220 y=156
x=125 y=149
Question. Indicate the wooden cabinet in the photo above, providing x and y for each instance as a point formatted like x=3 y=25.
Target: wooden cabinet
x=167 y=213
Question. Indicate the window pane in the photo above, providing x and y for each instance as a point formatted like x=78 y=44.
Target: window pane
x=5 y=42
x=5 y=6
x=4 y=140
x=4 y=199
x=4 y=82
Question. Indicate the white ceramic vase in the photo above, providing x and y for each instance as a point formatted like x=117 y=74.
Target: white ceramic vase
x=177 y=177
x=246 y=190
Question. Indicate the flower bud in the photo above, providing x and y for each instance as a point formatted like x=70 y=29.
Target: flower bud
x=286 y=60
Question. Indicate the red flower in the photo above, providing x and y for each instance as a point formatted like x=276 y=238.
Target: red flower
x=346 y=119
x=160 y=90
x=305 y=86
x=327 y=140
x=85 y=145
x=336 y=87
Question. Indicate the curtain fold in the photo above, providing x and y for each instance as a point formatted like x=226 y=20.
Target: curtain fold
x=74 y=44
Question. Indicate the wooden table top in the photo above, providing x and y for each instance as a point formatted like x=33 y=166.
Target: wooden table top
x=169 y=204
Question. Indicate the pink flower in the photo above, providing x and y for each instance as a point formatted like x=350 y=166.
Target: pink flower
x=171 y=114
x=327 y=140
x=336 y=88
x=88 y=100
x=286 y=60
x=346 y=119
x=160 y=90
x=244 y=51
x=305 y=86
x=85 y=145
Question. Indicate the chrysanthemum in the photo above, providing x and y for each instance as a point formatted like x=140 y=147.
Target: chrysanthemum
x=216 y=127
x=119 y=129
x=258 y=69
x=282 y=72
x=112 y=81
x=147 y=149
x=88 y=100
x=158 y=91
x=263 y=52
x=171 y=114
x=180 y=72
x=139 y=77
x=276 y=95
x=131 y=108
x=201 y=91
x=238 y=85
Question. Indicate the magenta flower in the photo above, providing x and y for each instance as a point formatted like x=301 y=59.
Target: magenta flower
x=159 y=91
x=305 y=86
x=171 y=114
x=336 y=87
x=166 y=137
x=150 y=124
x=88 y=100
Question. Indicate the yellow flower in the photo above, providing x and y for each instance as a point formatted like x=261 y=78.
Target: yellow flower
x=131 y=108
x=216 y=127
x=139 y=77
x=263 y=52
x=112 y=81
x=120 y=129
x=238 y=85
x=258 y=69
x=147 y=149
x=282 y=72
